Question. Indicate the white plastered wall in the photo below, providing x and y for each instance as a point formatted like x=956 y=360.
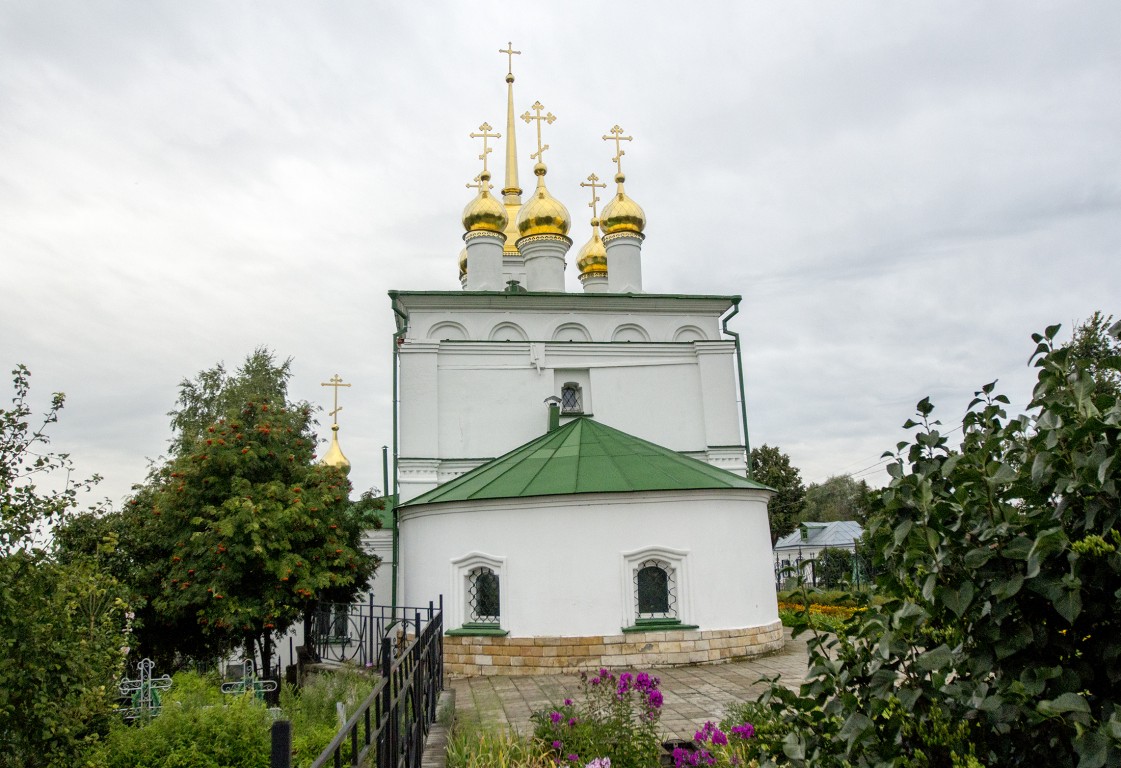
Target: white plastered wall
x=563 y=557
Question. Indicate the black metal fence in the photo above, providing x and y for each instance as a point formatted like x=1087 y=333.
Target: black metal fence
x=353 y=632
x=390 y=727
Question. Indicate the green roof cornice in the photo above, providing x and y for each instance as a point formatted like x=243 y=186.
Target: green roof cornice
x=584 y=456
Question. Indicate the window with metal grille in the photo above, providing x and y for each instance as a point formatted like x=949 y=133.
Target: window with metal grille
x=483 y=604
x=655 y=590
x=571 y=400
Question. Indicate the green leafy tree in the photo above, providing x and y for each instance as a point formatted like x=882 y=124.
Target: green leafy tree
x=241 y=532
x=63 y=625
x=1093 y=344
x=839 y=498
x=1001 y=564
x=772 y=467
x=834 y=567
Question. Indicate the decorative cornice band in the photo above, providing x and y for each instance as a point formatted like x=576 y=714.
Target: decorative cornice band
x=483 y=233
x=620 y=235
x=522 y=242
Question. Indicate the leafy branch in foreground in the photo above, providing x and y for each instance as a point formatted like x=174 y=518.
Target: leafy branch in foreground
x=1001 y=562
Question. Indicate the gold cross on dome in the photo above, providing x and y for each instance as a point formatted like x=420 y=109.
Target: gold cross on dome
x=335 y=382
x=510 y=54
x=548 y=117
x=595 y=198
x=478 y=183
x=485 y=128
x=617 y=136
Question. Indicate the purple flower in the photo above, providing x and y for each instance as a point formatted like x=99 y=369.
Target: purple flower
x=555 y=717
x=745 y=731
x=654 y=699
x=572 y=722
x=572 y=758
x=568 y=702
x=718 y=738
x=704 y=732
x=558 y=745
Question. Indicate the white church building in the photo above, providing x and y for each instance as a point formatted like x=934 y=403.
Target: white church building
x=570 y=468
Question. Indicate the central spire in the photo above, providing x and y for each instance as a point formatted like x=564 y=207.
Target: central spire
x=511 y=193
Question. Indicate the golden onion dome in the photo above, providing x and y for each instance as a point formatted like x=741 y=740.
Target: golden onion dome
x=543 y=214
x=622 y=214
x=592 y=258
x=485 y=213
x=334 y=456
x=462 y=263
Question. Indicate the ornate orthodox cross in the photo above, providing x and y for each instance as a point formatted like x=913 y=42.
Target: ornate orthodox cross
x=510 y=54
x=485 y=128
x=478 y=184
x=335 y=382
x=617 y=136
x=144 y=692
x=249 y=683
x=595 y=198
x=548 y=118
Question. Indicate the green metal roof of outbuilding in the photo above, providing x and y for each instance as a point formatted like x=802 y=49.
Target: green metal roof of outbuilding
x=583 y=456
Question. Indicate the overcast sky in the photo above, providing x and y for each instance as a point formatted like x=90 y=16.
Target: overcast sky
x=901 y=192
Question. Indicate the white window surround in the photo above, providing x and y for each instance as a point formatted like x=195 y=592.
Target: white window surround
x=461 y=568
x=676 y=559
x=564 y=377
x=572 y=399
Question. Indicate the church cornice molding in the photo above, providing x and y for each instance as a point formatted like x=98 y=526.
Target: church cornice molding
x=656 y=303
x=586 y=500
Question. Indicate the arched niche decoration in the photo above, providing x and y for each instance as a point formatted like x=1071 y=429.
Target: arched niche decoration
x=689 y=333
x=571 y=332
x=508 y=332
x=630 y=332
x=448 y=331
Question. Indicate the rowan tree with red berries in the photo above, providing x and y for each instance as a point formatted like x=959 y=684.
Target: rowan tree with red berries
x=241 y=531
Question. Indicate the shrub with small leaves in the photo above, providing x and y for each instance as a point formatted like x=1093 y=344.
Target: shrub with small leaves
x=999 y=562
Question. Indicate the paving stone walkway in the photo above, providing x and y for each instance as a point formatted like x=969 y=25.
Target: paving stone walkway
x=693 y=694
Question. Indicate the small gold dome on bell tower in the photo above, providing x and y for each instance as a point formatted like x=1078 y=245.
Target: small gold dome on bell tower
x=622 y=214
x=485 y=213
x=543 y=214
x=592 y=258
x=334 y=456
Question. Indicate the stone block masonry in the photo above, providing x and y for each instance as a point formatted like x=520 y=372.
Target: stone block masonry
x=471 y=656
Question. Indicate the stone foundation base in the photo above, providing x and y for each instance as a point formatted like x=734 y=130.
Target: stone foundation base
x=469 y=656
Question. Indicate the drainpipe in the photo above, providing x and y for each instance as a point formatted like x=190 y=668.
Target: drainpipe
x=739 y=367
x=398 y=338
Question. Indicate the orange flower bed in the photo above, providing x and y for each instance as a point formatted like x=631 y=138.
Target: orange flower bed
x=838 y=611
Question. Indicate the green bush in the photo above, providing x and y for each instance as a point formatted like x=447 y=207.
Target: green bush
x=232 y=734
x=312 y=709
x=839 y=597
x=834 y=567
x=200 y=726
x=1001 y=564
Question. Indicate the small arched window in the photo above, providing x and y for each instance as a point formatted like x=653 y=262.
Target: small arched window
x=483 y=603
x=655 y=590
x=572 y=400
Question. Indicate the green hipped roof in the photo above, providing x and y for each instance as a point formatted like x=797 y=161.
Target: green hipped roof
x=583 y=456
